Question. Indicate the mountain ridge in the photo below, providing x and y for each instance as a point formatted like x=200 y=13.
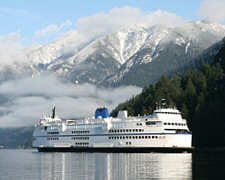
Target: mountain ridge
x=121 y=58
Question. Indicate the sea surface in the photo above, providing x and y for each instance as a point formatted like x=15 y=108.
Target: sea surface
x=30 y=164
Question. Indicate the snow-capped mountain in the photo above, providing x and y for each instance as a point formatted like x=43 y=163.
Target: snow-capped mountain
x=166 y=49
x=137 y=55
x=103 y=57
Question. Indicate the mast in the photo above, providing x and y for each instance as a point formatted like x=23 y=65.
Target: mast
x=53 y=113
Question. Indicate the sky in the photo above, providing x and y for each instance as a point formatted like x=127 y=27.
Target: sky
x=31 y=18
x=26 y=24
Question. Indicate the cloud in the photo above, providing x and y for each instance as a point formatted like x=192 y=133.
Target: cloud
x=11 y=49
x=24 y=101
x=213 y=10
x=52 y=30
x=107 y=22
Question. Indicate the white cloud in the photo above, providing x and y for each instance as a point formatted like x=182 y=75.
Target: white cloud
x=52 y=30
x=104 y=23
x=11 y=49
x=164 y=18
x=30 y=98
x=213 y=10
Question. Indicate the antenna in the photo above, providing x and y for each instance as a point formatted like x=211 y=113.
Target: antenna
x=53 y=112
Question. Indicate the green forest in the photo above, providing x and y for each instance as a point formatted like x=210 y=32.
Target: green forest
x=198 y=94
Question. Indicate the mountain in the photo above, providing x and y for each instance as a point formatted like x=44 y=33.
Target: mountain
x=166 y=49
x=138 y=55
x=16 y=137
x=102 y=57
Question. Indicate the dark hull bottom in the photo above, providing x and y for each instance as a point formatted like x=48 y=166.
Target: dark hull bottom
x=115 y=150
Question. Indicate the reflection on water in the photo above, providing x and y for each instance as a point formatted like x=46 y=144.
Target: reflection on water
x=116 y=166
x=19 y=164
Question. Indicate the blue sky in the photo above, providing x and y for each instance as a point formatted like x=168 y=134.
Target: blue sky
x=27 y=17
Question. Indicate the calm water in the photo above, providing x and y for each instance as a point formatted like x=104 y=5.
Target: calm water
x=30 y=164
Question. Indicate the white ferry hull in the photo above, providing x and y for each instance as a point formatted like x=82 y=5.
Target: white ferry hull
x=164 y=131
x=140 y=143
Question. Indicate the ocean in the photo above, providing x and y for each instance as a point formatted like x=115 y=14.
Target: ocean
x=30 y=164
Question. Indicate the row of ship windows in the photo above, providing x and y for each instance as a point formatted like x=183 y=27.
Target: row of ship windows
x=137 y=137
x=176 y=124
x=80 y=132
x=53 y=132
x=125 y=130
x=82 y=144
x=80 y=138
x=52 y=138
x=139 y=124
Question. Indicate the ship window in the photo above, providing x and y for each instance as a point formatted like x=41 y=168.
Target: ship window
x=127 y=130
x=143 y=137
x=153 y=137
x=130 y=130
x=172 y=124
x=136 y=130
x=165 y=123
x=121 y=130
x=124 y=130
x=120 y=137
x=169 y=124
x=123 y=137
x=139 y=130
x=149 y=137
x=146 y=137
x=176 y=124
x=139 y=137
x=109 y=137
x=150 y=123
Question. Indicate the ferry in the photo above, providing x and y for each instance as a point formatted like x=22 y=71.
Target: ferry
x=162 y=131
